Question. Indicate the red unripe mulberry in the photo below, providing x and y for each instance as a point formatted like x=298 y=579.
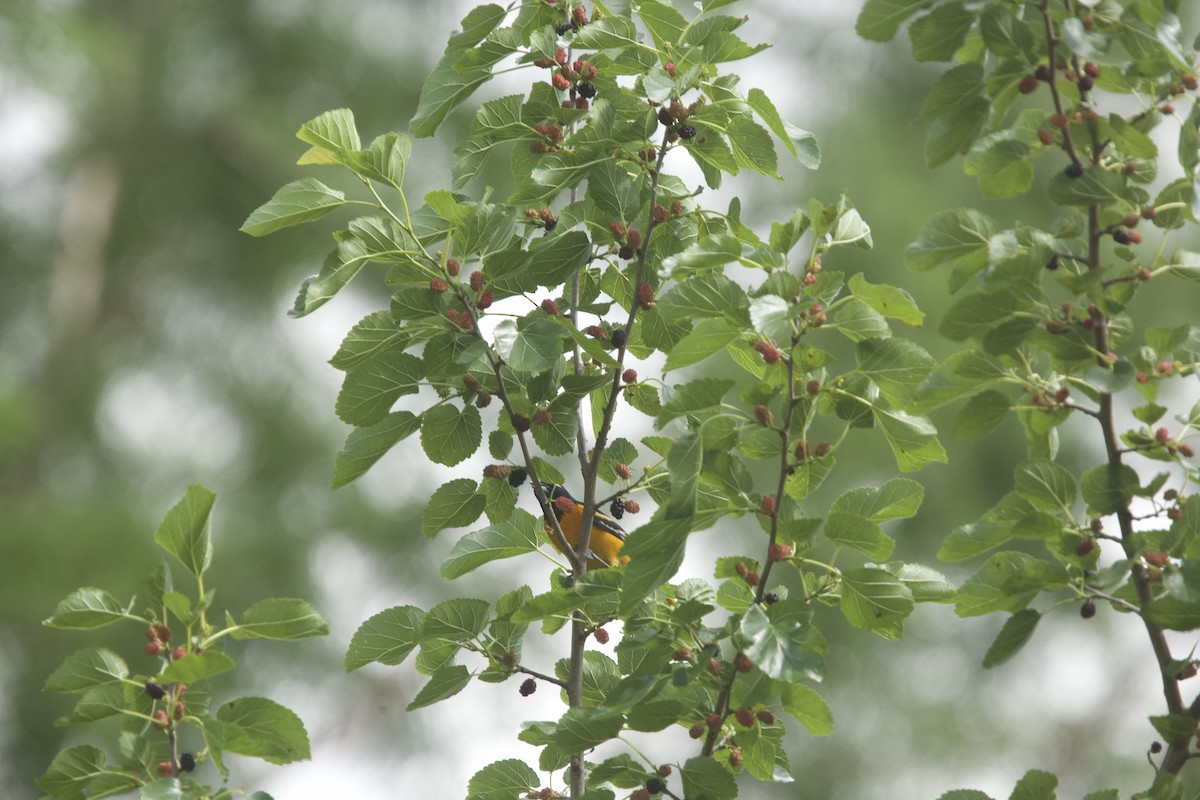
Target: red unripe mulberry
x=560 y=83
x=624 y=471
x=520 y=422
x=1028 y=84
x=745 y=717
x=438 y=285
x=476 y=281
x=743 y=664
x=659 y=213
x=632 y=507
x=767 y=508
x=713 y=721
x=696 y=731
x=629 y=376
x=550 y=307
x=1084 y=547
x=763 y=415
x=779 y=552
x=765 y=716
x=601 y=635
x=542 y=417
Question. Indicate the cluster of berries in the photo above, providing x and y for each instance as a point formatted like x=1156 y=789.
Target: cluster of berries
x=1049 y=401
x=482 y=400
x=674 y=115
x=576 y=77
x=1174 y=446
x=543 y=216
x=628 y=239
x=804 y=452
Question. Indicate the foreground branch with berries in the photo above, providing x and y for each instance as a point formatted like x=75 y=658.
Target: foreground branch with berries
x=1055 y=313
x=532 y=324
x=171 y=739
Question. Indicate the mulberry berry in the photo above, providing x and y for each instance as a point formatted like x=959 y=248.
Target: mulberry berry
x=686 y=132
x=154 y=691
x=616 y=509
x=528 y=687
x=586 y=89
x=187 y=762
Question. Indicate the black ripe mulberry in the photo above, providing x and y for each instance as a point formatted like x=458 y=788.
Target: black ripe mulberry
x=1074 y=169
x=187 y=762
x=528 y=687
x=616 y=509
x=686 y=132
x=586 y=89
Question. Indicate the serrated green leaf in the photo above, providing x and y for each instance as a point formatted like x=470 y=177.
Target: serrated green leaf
x=184 y=530
x=298 y=202
x=368 y=391
x=364 y=446
x=87 y=608
x=388 y=637
x=1017 y=630
x=808 y=707
x=445 y=683
x=195 y=667
x=280 y=618
x=86 y=669
x=454 y=504
x=520 y=534
x=450 y=435
x=256 y=726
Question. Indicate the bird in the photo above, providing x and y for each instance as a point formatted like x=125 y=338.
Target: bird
x=607 y=538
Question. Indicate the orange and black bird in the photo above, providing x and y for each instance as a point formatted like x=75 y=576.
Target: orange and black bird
x=607 y=538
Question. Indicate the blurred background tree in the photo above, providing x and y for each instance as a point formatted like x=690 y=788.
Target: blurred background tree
x=144 y=346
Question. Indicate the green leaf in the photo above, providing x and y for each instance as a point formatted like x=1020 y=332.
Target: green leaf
x=695 y=398
x=957 y=237
x=1035 y=785
x=99 y=702
x=450 y=435
x=613 y=191
x=777 y=647
x=502 y=779
x=880 y=19
x=913 y=440
x=520 y=534
x=1017 y=630
x=446 y=86
x=707 y=338
x=1007 y=581
x=71 y=770
x=852 y=530
x=684 y=462
x=875 y=600
x=927 y=585
x=184 y=530
x=983 y=412
x=1046 y=485
x=388 y=637
x=557 y=259
x=256 y=726
x=897 y=366
x=705 y=778
x=1004 y=34
x=375 y=333
x=972 y=539
x=385 y=160
x=655 y=555
x=710 y=252
x=455 y=620
x=369 y=391
x=899 y=498
x=1095 y=185
x=708 y=294
x=196 y=667
x=364 y=446
x=1107 y=490
x=1003 y=169
x=752 y=147
x=87 y=608
x=801 y=144
x=938 y=35
x=1175 y=729
x=583 y=728
x=808 y=707
x=454 y=504
x=556 y=436
x=85 y=669
x=446 y=682
x=1173 y=613
x=333 y=131
x=281 y=618
x=296 y=203
x=607 y=33
x=889 y=301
